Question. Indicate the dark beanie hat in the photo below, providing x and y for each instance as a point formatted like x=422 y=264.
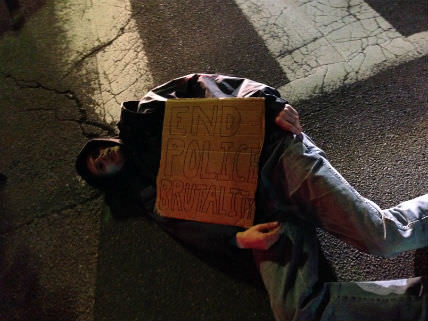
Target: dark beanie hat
x=101 y=182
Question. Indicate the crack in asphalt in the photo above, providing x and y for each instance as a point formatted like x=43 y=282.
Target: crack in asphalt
x=83 y=120
x=69 y=94
x=93 y=52
x=102 y=46
x=58 y=211
x=308 y=50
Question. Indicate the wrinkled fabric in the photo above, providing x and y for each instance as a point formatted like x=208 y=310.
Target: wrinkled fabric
x=300 y=188
x=298 y=172
x=329 y=201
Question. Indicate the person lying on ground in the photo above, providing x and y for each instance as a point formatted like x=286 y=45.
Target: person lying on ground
x=297 y=190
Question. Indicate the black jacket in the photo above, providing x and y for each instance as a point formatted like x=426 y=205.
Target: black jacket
x=141 y=130
x=141 y=121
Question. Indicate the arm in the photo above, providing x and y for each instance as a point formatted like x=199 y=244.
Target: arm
x=263 y=236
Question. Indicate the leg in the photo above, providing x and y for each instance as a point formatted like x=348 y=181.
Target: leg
x=290 y=272
x=325 y=197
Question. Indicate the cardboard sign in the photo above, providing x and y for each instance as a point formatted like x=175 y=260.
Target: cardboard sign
x=209 y=161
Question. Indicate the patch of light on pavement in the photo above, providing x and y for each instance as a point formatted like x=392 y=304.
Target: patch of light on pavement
x=106 y=49
x=322 y=44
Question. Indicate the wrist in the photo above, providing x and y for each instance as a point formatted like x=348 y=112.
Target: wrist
x=239 y=240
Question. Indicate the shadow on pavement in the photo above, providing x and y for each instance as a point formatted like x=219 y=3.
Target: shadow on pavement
x=45 y=261
x=406 y=24
x=145 y=274
x=14 y=13
x=190 y=38
x=20 y=297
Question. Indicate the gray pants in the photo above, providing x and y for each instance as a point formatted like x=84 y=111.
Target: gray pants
x=290 y=269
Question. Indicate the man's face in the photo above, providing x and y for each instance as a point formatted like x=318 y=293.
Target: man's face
x=106 y=161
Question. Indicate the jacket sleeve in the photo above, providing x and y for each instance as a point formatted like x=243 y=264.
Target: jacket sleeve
x=214 y=238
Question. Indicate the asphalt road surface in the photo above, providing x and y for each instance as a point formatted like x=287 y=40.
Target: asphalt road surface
x=355 y=70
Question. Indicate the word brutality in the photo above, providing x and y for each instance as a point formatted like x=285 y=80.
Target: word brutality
x=209 y=160
x=206 y=199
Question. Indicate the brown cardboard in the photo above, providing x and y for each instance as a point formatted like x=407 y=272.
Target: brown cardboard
x=209 y=160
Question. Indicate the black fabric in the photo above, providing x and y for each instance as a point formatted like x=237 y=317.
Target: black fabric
x=141 y=124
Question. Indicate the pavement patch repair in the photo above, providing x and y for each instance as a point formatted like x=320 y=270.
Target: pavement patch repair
x=355 y=70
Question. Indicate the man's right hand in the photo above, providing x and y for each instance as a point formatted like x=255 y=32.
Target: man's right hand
x=260 y=237
x=288 y=120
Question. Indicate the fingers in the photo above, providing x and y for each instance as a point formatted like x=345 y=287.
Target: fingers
x=271 y=237
x=274 y=232
x=266 y=227
x=288 y=120
x=290 y=109
x=261 y=236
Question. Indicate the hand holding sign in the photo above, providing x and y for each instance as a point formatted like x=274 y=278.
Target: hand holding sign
x=288 y=120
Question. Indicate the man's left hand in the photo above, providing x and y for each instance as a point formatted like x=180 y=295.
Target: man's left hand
x=260 y=237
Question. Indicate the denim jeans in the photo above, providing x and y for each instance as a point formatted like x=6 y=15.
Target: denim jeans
x=299 y=173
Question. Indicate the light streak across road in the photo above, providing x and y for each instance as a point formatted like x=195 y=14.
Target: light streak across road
x=324 y=44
